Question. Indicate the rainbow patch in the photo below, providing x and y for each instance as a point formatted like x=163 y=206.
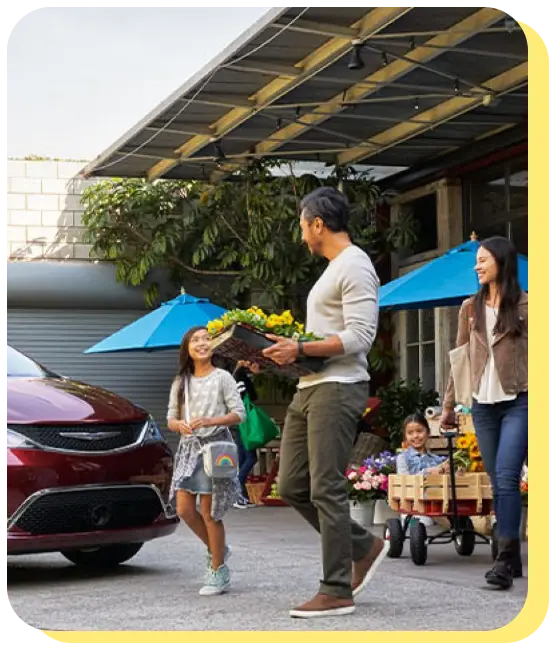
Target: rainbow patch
x=224 y=460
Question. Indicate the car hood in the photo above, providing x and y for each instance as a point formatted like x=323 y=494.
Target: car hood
x=59 y=400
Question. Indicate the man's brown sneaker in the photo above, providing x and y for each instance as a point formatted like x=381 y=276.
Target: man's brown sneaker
x=364 y=570
x=324 y=606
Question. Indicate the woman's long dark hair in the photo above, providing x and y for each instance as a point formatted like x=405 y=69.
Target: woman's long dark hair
x=505 y=255
x=186 y=363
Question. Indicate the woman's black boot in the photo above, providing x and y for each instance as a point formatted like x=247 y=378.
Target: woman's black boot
x=516 y=564
x=501 y=574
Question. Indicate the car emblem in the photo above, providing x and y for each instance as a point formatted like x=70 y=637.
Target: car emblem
x=95 y=436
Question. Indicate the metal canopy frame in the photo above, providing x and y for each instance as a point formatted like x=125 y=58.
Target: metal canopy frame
x=410 y=88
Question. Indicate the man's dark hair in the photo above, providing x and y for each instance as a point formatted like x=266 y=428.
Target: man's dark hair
x=330 y=205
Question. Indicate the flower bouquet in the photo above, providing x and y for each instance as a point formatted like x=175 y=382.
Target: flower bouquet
x=468 y=456
x=241 y=335
x=370 y=481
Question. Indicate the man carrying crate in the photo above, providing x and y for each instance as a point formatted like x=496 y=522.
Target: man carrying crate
x=321 y=422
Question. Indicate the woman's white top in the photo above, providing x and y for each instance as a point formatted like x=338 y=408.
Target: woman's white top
x=490 y=389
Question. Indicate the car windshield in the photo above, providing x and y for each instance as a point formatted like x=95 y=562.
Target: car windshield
x=22 y=366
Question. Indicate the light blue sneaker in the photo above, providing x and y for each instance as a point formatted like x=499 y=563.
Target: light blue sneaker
x=216 y=582
x=227 y=555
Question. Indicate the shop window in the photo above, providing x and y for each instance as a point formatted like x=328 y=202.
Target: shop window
x=420 y=347
x=424 y=212
x=496 y=202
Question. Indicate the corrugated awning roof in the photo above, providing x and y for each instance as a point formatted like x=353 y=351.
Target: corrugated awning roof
x=429 y=81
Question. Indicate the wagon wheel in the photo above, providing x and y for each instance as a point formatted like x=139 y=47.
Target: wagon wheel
x=464 y=544
x=418 y=546
x=393 y=532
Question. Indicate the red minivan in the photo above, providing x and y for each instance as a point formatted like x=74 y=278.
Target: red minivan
x=88 y=472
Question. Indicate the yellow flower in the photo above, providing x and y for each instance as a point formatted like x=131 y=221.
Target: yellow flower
x=300 y=327
x=287 y=317
x=215 y=327
x=474 y=467
x=474 y=449
x=463 y=442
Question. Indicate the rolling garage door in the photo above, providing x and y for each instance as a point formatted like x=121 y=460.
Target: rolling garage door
x=57 y=338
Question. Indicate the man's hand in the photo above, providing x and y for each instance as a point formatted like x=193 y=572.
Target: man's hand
x=284 y=352
x=249 y=365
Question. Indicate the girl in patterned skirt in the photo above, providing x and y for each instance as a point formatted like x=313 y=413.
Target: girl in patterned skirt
x=214 y=404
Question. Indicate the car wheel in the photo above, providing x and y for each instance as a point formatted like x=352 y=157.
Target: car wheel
x=106 y=556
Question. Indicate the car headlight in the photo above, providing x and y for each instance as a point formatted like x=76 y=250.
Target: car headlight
x=152 y=434
x=17 y=440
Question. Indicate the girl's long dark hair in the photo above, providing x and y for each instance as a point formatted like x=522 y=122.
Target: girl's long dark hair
x=186 y=363
x=506 y=258
x=416 y=418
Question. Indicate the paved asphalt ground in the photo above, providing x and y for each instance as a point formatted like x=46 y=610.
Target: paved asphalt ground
x=275 y=565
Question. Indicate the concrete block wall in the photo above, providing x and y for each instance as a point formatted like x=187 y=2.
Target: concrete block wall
x=45 y=210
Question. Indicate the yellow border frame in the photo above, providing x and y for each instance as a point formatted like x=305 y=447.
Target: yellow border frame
x=535 y=616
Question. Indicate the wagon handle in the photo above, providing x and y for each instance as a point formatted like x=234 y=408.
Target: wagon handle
x=450 y=434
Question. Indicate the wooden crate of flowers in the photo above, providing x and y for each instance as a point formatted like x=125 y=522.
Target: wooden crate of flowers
x=418 y=494
x=241 y=335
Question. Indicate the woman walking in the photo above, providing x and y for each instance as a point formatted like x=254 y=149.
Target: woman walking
x=495 y=324
x=204 y=402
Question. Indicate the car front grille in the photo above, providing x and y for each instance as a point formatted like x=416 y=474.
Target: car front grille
x=83 y=438
x=88 y=510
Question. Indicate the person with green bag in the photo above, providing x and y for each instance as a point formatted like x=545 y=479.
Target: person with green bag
x=247 y=458
x=258 y=428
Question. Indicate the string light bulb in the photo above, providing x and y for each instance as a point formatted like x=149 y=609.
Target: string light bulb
x=355 y=59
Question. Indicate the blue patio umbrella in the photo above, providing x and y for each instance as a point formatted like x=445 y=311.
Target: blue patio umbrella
x=445 y=281
x=163 y=328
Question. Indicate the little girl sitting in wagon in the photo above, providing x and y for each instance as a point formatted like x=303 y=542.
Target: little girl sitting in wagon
x=416 y=458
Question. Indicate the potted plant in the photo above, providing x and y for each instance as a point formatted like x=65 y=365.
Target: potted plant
x=367 y=485
x=383 y=464
x=240 y=334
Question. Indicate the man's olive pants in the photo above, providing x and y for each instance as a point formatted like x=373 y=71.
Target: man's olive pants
x=316 y=446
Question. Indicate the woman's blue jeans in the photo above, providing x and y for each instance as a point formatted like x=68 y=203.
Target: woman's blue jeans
x=502 y=433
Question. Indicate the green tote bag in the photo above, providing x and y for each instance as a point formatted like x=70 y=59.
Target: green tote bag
x=258 y=428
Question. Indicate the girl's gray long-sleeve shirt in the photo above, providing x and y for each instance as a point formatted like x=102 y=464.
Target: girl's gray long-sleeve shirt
x=214 y=395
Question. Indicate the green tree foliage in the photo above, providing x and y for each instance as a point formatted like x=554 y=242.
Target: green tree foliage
x=244 y=230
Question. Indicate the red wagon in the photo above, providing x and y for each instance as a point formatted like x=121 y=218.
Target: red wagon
x=453 y=496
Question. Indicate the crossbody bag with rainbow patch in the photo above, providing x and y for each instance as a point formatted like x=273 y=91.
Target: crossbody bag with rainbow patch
x=220 y=459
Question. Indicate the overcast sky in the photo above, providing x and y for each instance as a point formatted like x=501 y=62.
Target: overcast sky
x=78 y=78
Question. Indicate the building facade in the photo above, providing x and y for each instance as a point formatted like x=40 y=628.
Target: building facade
x=487 y=196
